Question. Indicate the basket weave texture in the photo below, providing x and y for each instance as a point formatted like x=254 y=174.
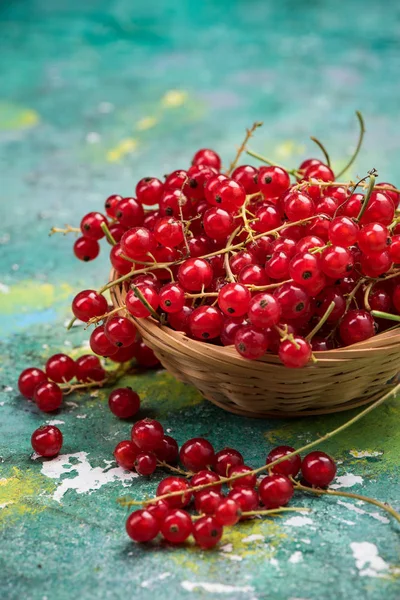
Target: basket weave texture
x=340 y=380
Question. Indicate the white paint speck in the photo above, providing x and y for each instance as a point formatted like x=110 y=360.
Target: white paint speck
x=55 y=422
x=6 y=503
x=45 y=346
x=296 y=557
x=347 y=481
x=2 y=403
x=105 y=107
x=71 y=404
x=81 y=416
x=298 y=521
x=305 y=541
x=255 y=537
x=93 y=137
x=360 y=511
x=216 y=588
x=149 y=582
x=8 y=388
x=368 y=561
x=364 y=453
x=343 y=520
x=4 y=289
x=87 y=478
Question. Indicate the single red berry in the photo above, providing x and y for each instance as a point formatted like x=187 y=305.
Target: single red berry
x=305 y=268
x=91 y=225
x=142 y=526
x=319 y=171
x=207 y=501
x=172 y=298
x=380 y=299
x=134 y=302
x=159 y=510
x=352 y=206
x=229 y=329
x=119 y=263
x=336 y=261
x=177 y=526
x=380 y=209
x=293 y=300
x=228 y=512
x=295 y=353
x=174 y=202
x=196 y=454
x=88 y=304
x=168 y=451
x=373 y=237
x=309 y=162
x=267 y=218
x=47 y=441
x=318 y=469
x=207 y=157
x=275 y=491
x=319 y=227
x=195 y=274
x=308 y=242
x=124 y=402
x=250 y=342
x=48 y=396
x=240 y=260
x=145 y=463
x=117 y=231
x=207 y=532
x=343 y=231
x=225 y=459
x=149 y=191
x=148 y=434
x=203 y=477
x=356 y=326
x=129 y=212
x=60 y=368
x=394 y=249
x=286 y=245
x=229 y=195
x=259 y=249
x=29 y=379
x=111 y=205
x=264 y=311
x=205 y=322
x=125 y=454
x=245 y=497
x=273 y=181
x=138 y=243
x=325 y=298
x=244 y=481
x=247 y=176
x=327 y=206
x=100 y=344
x=123 y=355
x=174 y=484
x=253 y=275
x=120 y=331
x=86 y=249
x=298 y=206
x=176 y=179
x=375 y=263
x=277 y=266
x=218 y=223
x=288 y=467
x=169 y=232
x=234 y=299
x=88 y=368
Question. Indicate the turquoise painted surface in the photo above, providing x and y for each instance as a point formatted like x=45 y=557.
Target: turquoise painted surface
x=94 y=96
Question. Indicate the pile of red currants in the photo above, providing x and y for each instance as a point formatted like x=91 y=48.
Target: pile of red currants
x=251 y=258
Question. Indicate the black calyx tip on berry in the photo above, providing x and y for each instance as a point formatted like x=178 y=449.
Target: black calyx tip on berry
x=230 y=310
x=168 y=303
x=306 y=275
x=264 y=303
x=267 y=179
x=86 y=227
x=169 y=211
x=119 y=344
x=193 y=183
x=299 y=307
x=205 y=335
x=218 y=199
x=147 y=179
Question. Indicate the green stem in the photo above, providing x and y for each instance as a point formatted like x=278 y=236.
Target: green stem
x=108 y=234
x=323 y=149
x=274 y=511
x=293 y=172
x=143 y=300
x=358 y=147
x=367 y=195
x=384 y=315
x=321 y=322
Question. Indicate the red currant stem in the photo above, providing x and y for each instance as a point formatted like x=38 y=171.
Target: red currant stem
x=227 y=266
x=247 y=226
x=319 y=249
x=323 y=150
x=352 y=294
x=358 y=147
x=384 y=315
x=72 y=321
x=321 y=322
x=371 y=186
x=68 y=229
x=108 y=234
x=272 y=164
x=320 y=492
x=270 y=286
x=320 y=440
x=205 y=295
x=105 y=315
x=249 y=133
x=69 y=388
x=367 y=293
x=165 y=465
x=181 y=216
x=274 y=511
x=143 y=300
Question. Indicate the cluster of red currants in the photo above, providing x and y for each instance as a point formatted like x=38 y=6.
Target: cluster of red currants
x=209 y=471
x=250 y=259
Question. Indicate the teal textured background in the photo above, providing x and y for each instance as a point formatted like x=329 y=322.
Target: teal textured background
x=94 y=95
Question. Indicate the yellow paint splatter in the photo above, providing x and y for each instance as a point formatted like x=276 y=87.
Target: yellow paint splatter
x=26 y=295
x=126 y=146
x=21 y=495
x=146 y=123
x=16 y=117
x=174 y=98
x=288 y=149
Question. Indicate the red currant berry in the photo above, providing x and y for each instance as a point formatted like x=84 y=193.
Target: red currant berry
x=373 y=237
x=159 y=510
x=48 y=396
x=293 y=300
x=124 y=402
x=91 y=225
x=275 y=491
x=298 y=206
x=171 y=485
x=318 y=469
x=296 y=353
x=380 y=299
x=240 y=260
x=120 y=331
x=88 y=304
x=375 y=263
x=207 y=157
x=138 y=243
x=245 y=497
x=260 y=249
x=394 y=249
x=343 y=232
x=86 y=249
x=169 y=232
x=180 y=321
x=207 y=532
x=60 y=368
x=264 y=311
x=218 y=223
x=253 y=275
x=111 y=205
x=148 y=434
x=196 y=454
x=29 y=379
x=176 y=179
x=351 y=207
x=199 y=245
x=229 y=329
x=123 y=355
x=117 y=231
x=243 y=481
x=356 y=326
x=205 y=323
x=308 y=242
x=286 y=245
x=134 y=302
x=309 y=162
x=203 y=477
x=195 y=274
x=119 y=263
x=336 y=261
x=129 y=212
x=149 y=191
x=225 y=459
x=304 y=269
x=288 y=467
x=47 y=441
x=250 y=342
x=145 y=463
x=228 y=511
x=142 y=526
x=247 y=176
x=125 y=454
x=207 y=501
x=277 y=267
x=319 y=171
x=380 y=209
x=273 y=181
x=168 y=451
x=319 y=227
x=324 y=299
x=177 y=526
x=88 y=368
x=229 y=195
x=327 y=205
x=268 y=218
x=174 y=202
x=234 y=299
x=172 y=298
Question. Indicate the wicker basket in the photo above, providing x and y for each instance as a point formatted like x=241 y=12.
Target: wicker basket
x=341 y=379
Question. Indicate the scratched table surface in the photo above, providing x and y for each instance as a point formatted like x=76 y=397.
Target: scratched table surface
x=94 y=95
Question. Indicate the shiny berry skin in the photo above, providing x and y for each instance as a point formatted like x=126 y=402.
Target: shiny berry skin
x=117 y=231
x=380 y=299
x=176 y=179
x=229 y=195
x=394 y=249
x=273 y=181
x=264 y=311
x=142 y=526
x=159 y=510
x=134 y=303
x=336 y=261
x=91 y=225
x=145 y=356
x=168 y=232
x=229 y=329
x=356 y=326
x=319 y=227
x=205 y=476
x=286 y=245
x=60 y=368
x=289 y=467
x=304 y=268
x=275 y=491
x=343 y=232
x=119 y=263
x=123 y=355
x=327 y=205
x=29 y=379
x=298 y=206
x=240 y=260
x=309 y=162
x=124 y=402
x=351 y=207
x=308 y=242
x=168 y=451
x=86 y=249
x=210 y=190
x=88 y=368
x=198 y=175
x=295 y=354
x=246 y=480
x=196 y=454
x=207 y=501
x=234 y=299
x=225 y=459
x=253 y=275
x=177 y=526
x=390 y=190
x=180 y=321
x=145 y=463
x=321 y=171
x=111 y=205
x=218 y=223
x=207 y=532
x=129 y=212
x=324 y=299
x=88 y=304
x=174 y=484
x=228 y=512
x=48 y=396
x=268 y=218
x=149 y=191
x=172 y=298
x=375 y=263
x=259 y=249
x=125 y=454
x=373 y=237
x=380 y=209
x=318 y=469
x=194 y=274
x=173 y=201
x=293 y=300
x=205 y=323
x=138 y=242
x=120 y=331
x=47 y=441
x=199 y=245
x=250 y=342
x=277 y=267
x=207 y=157
x=247 y=176
x=245 y=497
x=147 y=434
